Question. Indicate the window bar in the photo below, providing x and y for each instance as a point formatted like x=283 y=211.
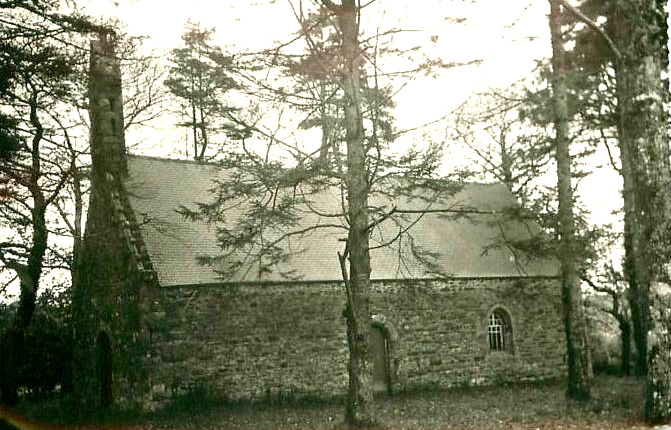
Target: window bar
x=496 y=335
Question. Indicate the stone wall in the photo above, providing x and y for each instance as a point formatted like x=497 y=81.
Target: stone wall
x=442 y=331
x=106 y=302
x=249 y=341
x=288 y=340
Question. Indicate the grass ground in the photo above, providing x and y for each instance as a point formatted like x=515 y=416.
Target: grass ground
x=617 y=404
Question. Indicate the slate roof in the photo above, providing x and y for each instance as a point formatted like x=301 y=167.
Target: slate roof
x=157 y=187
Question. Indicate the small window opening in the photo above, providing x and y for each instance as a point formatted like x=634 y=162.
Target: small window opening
x=499 y=331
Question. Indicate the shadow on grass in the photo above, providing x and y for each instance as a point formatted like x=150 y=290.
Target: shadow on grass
x=512 y=406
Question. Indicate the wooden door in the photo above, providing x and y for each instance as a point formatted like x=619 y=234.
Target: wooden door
x=379 y=359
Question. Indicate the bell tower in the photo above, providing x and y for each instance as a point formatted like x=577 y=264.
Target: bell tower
x=108 y=146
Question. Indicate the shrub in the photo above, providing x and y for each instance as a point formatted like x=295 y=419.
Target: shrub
x=47 y=343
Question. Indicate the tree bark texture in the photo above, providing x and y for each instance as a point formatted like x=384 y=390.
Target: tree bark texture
x=360 y=393
x=658 y=381
x=635 y=272
x=632 y=258
x=579 y=363
x=639 y=30
x=640 y=33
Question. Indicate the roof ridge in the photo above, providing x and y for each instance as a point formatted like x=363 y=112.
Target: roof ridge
x=176 y=160
x=215 y=164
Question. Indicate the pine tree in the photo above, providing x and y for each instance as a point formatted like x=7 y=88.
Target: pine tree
x=579 y=362
x=200 y=77
x=353 y=166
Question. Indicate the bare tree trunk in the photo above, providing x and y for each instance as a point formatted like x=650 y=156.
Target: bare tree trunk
x=194 y=123
x=579 y=363
x=635 y=271
x=77 y=230
x=203 y=133
x=11 y=344
x=632 y=257
x=360 y=394
x=75 y=265
x=658 y=381
x=507 y=161
x=625 y=346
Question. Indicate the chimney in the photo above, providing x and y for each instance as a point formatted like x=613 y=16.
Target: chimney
x=108 y=147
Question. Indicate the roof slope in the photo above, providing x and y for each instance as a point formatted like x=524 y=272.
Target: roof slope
x=463 y=245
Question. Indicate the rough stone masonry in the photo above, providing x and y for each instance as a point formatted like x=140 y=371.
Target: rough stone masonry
x=149 y=325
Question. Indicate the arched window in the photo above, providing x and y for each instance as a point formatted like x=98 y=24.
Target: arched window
x=500 y=331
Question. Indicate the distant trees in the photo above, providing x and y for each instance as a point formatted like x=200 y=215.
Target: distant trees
x=505 y=130
x=606 y=279
x=200 y=78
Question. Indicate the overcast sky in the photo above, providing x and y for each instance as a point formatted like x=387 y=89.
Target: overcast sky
x=508 y=35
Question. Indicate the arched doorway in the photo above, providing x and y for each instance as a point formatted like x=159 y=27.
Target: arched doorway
x=379 y=358
x=104 y=364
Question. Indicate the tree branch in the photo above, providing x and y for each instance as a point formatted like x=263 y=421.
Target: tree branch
x=591 y=24
x=597 y=288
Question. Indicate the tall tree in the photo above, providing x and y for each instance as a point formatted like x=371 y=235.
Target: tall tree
x=357 y=251
x=352 y=188
x=636 y=38
x=39 y=78
x=641 y=37
x=639 y=32
x=579 y=363
x=200 y=77
x=633 y=43
x=37 y=86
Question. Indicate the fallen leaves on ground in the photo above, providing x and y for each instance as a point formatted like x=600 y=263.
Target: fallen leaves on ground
x=617 y=404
